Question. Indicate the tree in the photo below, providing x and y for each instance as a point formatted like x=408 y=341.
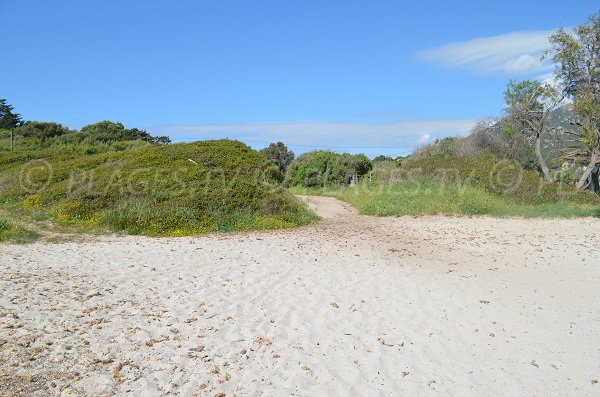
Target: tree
x=162 y=140
x=577 y=68
x=322 y=168
x=8 y=119
x=278 y=154
x=105 y=131
x=529 y=104
x=108 y=131
x=382 y=157
x=41 y=129
x=507 y=141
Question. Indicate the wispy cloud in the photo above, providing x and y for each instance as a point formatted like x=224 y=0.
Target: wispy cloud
x=424 y=138
x=514 y=53
x=370 y=138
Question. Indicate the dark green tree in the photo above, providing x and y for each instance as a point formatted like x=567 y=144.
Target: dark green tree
x=278 y=154
x=105 y=131
x=162 y=140
x=382 y=157
x=108 y=131
x=41 y=129
x=8 y=119
x=323 y=169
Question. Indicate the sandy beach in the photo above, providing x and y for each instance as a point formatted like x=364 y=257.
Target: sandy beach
x=350 y=306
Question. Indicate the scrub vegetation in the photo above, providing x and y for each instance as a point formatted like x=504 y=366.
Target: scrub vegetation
x=156 y=190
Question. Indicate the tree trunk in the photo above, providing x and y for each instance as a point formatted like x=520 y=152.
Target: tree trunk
x=540 y=159
x=582 y=181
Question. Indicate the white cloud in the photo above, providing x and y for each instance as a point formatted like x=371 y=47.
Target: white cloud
x=425 y=138
x=548 y=78
x=514 y=53
x=369 y=138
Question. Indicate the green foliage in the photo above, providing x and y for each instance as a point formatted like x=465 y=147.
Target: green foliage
x=445 y=147
x=529 y=104
x=577 y=70
x=421 y=197
x=8 y=119
x=278 y=154
x=528 y=95
x=513 y=145
x=43 y=136
x=92 y=139
x=575 y=56
x=323 y=168
x=170 y=190
x=108 y=131
x=41 y=129
x=424 y=196
x=72 y=143
x=382 y=157
x=501 y=177
x=385 y=170
x=15 y=234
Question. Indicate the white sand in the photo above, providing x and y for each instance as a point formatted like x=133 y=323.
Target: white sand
x=351 y=306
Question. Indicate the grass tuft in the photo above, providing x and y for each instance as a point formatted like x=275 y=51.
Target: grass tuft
x=16 y=234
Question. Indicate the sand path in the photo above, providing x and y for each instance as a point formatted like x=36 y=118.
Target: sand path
x=351 y=306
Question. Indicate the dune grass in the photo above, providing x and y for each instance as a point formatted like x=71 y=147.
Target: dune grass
x=172 y=190
x=429 y=197
x=16 y=234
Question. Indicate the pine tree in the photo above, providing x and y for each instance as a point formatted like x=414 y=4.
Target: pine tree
x=8 y=119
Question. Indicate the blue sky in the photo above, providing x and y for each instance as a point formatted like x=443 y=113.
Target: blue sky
x=357 y=76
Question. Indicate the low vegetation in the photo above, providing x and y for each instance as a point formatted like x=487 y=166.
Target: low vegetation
x=467 y=185
x=427 y=197
x=501 y=177
x=157 y=190
x=15 y=234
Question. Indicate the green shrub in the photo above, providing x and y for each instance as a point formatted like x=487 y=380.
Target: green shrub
x=323 y=168
x=156 y=190
x=505 y=178
x=41 y=129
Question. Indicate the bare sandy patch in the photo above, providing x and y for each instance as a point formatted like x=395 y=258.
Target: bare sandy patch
x=353 y=305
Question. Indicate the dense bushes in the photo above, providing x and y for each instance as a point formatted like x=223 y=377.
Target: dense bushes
x=41 y=129
x=322 y=168
x=92 y=139
x=108 y=131
x=506 y=178
x=157 y=190
x=499 y=140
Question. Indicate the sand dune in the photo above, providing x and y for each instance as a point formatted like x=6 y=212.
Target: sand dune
x=353 y=306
